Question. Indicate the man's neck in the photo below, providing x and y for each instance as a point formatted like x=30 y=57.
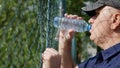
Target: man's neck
x=110 y=42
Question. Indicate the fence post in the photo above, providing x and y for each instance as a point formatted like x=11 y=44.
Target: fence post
x=47 y=25
x=62 y=8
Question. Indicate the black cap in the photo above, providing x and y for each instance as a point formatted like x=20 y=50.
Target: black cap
x=90 y=9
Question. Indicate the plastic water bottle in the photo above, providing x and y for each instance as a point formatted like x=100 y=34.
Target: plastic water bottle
x=76 y=25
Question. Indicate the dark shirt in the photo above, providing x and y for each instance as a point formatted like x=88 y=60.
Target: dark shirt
x=109 y=58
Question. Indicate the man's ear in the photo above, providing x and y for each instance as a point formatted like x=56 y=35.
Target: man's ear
x=115 y=21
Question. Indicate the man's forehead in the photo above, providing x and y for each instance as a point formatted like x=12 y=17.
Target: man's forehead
x=107 y=9
x=99 y=9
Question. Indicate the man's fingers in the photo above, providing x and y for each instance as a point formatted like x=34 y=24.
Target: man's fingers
x=79 y=18
x=67 y=34
x=70 y=34
x=65 y=14
x=51 y=58
x=73 y=16
x=48 y=53
x=52 y=51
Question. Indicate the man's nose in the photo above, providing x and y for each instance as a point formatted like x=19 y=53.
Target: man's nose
x=91 y=20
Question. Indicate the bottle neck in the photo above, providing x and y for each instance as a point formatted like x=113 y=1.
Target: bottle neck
x=88 y=27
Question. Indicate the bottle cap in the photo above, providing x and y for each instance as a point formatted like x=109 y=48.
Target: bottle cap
x=89 y=27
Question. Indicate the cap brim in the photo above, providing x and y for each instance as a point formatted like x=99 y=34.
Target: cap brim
x=90 y=9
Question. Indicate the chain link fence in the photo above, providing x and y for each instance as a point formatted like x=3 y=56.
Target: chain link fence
x=26 y=29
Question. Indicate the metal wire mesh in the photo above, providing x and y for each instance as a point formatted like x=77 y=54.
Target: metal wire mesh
x=26 y=29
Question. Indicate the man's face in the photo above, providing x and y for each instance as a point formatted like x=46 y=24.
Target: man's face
x=101 y=25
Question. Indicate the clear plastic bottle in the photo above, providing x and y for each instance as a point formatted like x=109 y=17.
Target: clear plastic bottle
x=76 y=25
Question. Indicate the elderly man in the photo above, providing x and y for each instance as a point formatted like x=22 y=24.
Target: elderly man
x=105 y=32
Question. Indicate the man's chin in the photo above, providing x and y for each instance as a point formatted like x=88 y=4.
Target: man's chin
x=96 y=41
x=91 y=38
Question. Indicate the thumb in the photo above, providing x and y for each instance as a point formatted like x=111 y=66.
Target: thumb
x=70 y=34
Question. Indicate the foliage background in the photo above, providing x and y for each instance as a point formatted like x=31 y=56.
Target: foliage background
x=26 y=29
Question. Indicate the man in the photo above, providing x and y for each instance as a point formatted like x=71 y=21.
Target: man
x=105 y=32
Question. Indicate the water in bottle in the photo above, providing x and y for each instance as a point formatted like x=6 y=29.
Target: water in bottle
x=63 y=23
x=76 y=25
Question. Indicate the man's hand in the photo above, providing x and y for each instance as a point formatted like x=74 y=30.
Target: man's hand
x=65 y=44
x=51 y=58
x=67 y=35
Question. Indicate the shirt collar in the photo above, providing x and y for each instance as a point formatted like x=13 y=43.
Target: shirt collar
x=106 y=54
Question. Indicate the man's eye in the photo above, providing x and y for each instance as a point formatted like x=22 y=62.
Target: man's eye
x=96 y=14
